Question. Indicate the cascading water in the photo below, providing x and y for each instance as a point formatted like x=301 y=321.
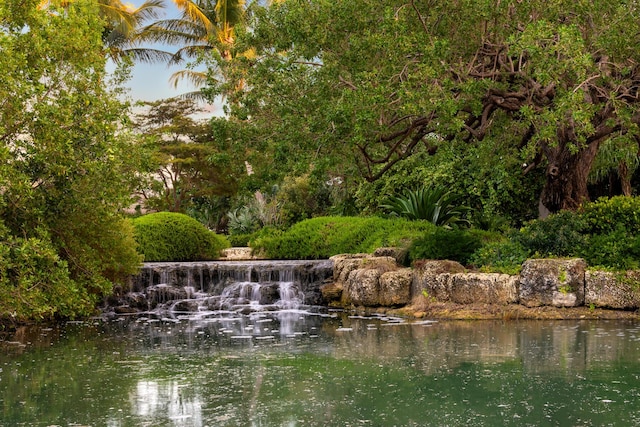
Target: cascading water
x=233 y=287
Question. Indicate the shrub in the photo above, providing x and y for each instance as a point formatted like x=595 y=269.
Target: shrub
x=560 y=235
x=605 y=216
x=324 y=237
x=455 y=245
x=167 y=236
x=619 y=250
x=36 y=284
x=500 y=256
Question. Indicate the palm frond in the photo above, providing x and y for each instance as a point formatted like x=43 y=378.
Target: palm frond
x=195 y=13
x=196 y=78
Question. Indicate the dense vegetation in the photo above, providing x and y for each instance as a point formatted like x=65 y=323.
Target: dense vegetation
x=456 y=117
x=169 y=236
x=66 y=165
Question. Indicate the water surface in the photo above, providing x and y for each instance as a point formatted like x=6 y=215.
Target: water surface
x=291 y=368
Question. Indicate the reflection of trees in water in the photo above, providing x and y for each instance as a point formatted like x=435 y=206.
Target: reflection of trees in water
x=538 y=345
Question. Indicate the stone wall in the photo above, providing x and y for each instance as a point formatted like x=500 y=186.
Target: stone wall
x=379 y=281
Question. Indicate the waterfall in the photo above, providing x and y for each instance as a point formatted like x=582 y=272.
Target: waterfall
x=233 y=286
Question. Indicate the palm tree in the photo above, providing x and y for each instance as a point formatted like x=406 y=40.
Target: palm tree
x=204 y=26
x=123 y=29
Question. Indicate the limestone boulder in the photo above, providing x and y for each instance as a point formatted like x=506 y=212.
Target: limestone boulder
x=362 y=288
x=613 y=290
x=395 y=287
x=433 y=277
x=484 y=288
x=554 y=282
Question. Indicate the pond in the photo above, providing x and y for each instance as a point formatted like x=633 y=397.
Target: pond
x=299 y=368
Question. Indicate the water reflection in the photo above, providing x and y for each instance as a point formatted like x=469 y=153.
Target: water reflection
x=300 y=369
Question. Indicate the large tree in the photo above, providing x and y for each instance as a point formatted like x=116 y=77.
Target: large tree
x=66 y=164
x=186 y=163
x=378 y=81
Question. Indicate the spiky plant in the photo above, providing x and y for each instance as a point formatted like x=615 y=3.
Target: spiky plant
x=434 y=204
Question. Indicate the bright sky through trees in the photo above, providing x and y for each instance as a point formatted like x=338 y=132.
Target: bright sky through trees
x=150 y=82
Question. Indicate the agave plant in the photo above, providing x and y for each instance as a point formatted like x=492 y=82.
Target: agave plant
x=434 y=204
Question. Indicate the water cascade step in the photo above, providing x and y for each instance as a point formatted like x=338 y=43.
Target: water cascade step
x=234 y=286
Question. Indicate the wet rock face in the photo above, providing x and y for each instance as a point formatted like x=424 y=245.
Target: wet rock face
x=554 y=282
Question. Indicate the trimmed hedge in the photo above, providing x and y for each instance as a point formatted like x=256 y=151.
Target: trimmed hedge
x=324 y=237
x=168 y=236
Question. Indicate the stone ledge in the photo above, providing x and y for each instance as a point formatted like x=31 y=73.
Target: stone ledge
x=363 y=280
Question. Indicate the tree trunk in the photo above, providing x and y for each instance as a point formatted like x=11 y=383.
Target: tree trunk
x=567 y=173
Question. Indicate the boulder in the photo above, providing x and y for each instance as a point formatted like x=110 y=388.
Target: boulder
x=395 y=287
x=612 y=290
x=433 y=277
x=362 y=288
x=554 y=282
x=485 y=288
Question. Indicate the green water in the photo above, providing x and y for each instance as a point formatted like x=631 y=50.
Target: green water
x=293 y=369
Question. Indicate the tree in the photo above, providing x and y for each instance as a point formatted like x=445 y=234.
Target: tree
x=205 y=26
x=376 y=82
x=186 y=162
x=67 y=165
x=123 y=28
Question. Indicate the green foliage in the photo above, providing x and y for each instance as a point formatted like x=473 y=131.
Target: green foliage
x=324 y=237
x=604 y=233
x=618 y=250
x=559 y=235
x=67 y=163
x=167 y=236
x=436 y=205
x=500 y=256
x=608 y=215
x=243 y=220
x=36 y=284
x=185 y=164
x=455 y=245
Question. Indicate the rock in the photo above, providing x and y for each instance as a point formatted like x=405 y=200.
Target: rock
x=433 y=277
x=331 y=292
x=162 y=293
x=399 y=254
x=238 y=254
x=362 y=288
x=395 y=287
x=484 y=288
x=555 y=282
x=613 y=290
x=344 y=264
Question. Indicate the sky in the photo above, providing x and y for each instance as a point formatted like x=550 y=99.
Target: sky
x=150 y=82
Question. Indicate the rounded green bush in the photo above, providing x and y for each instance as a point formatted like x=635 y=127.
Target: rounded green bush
x=168 y=236
x=323 y=237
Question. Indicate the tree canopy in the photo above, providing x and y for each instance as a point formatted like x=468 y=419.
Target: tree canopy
x=66 y=164
x=359 y=87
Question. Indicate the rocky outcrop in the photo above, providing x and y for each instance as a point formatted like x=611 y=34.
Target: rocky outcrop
x=554 y=282
x=483 y=288
x=379 y=281
x=612 y=290
x=370 y=281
